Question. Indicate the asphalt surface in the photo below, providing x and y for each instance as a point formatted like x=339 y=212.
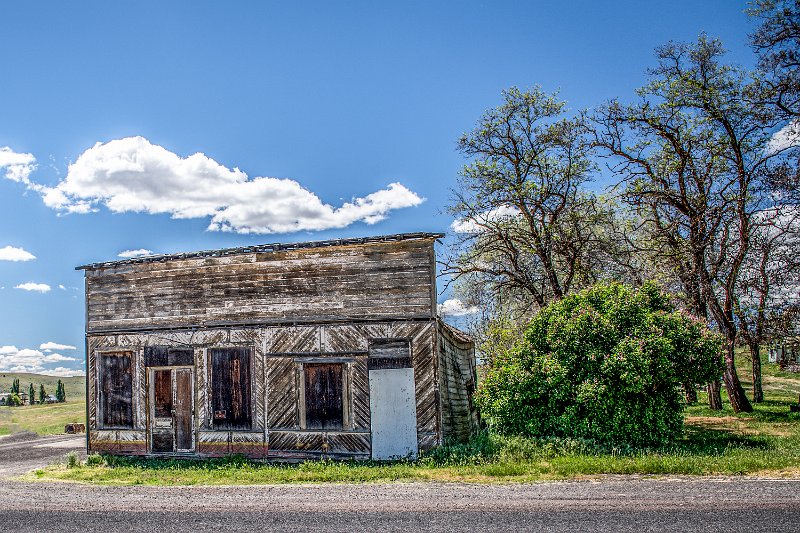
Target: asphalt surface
x=614 y=504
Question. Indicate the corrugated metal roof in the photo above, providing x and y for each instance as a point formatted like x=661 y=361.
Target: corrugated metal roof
x=262 y=248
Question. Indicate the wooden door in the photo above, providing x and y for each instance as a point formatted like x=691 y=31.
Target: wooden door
x=171 y=424
x=184 y=410
x=392 y=400
x=393 y=413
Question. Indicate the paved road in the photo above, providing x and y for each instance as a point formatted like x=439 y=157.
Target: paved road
x=620 y=504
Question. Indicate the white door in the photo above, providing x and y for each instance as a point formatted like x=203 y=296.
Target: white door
x=393 y=409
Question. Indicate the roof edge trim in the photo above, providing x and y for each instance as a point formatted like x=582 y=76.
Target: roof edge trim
x=262 y=248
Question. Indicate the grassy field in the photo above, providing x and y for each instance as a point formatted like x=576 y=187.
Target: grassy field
x=43 y=419
x=765 y=442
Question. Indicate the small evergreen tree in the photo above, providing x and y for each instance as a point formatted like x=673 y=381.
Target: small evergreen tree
x=42 y=394
x=60 y=393
x=31 y=395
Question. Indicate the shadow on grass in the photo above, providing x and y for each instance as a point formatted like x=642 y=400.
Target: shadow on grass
x=703 y=441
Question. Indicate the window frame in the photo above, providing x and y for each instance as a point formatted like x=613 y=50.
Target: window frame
x=100 y=397
x=344 y=391
x=210 y=419
x=378 y=359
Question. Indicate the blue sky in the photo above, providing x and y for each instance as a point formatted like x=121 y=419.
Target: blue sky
x=317 y=105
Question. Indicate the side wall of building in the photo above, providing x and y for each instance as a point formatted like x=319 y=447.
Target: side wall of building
x=457 y=382
x=279 y=354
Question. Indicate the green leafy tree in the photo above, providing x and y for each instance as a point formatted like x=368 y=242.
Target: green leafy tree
x=777 y=43
x=527 y=230
x=695 y=159
x=31 y=395
x=607 y=363
x=15 y=386
x=42 y=394
x=14 y=400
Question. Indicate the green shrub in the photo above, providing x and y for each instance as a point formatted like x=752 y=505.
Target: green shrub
x=606 y=364
x=94 y=460
x=14 y=400
x=72 y=460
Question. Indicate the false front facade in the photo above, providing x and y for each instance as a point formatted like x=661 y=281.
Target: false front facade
x=285 y=351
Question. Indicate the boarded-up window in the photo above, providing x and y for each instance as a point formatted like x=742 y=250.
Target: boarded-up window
x=165 y=356
x=323 y=384
x=230 y=384
x=116 y=390
x=389 y=353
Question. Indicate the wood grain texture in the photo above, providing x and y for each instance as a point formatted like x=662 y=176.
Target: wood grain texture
x=359 y=385
x=457 y=381
x=279 y=353
x=282 y=394
x=353 y=282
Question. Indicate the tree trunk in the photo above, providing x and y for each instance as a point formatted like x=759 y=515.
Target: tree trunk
x=691 y=393
x=755 y=355
x=714 y=396
x=736 y=395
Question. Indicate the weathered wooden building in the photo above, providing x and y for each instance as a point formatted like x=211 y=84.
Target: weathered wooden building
x=282 y=351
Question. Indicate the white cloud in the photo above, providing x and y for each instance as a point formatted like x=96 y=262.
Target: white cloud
x=13 y=359
x=57 y=358
x=63 y=288
x=477 y=223
x=17 y=166
x=786 y=137
x=62 y=372
x=30 y=286
x=12 y=253
x=455 y=307
x=49 y=346
x=134 y=175
x=127 y=254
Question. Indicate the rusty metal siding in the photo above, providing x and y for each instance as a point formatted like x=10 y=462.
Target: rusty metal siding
x=457 y=380
x=340 y=283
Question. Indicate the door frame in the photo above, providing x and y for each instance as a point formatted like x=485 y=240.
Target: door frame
x=151 y=408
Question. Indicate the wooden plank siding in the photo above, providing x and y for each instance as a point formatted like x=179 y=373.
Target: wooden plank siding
x=293 y=311
x=457 y=381
x=372 y=281
x=279 y=353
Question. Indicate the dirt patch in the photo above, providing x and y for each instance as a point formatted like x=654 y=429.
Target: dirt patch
x=29 y=451
x=739 y=425
x=790 y=385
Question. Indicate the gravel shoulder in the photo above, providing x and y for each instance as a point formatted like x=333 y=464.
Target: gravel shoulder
x=23 y=452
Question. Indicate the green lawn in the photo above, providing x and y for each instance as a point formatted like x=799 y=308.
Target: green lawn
x=43 y=419
x=765 y=442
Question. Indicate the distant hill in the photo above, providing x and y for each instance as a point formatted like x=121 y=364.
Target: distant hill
x=75 y=387
x=43 y=419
